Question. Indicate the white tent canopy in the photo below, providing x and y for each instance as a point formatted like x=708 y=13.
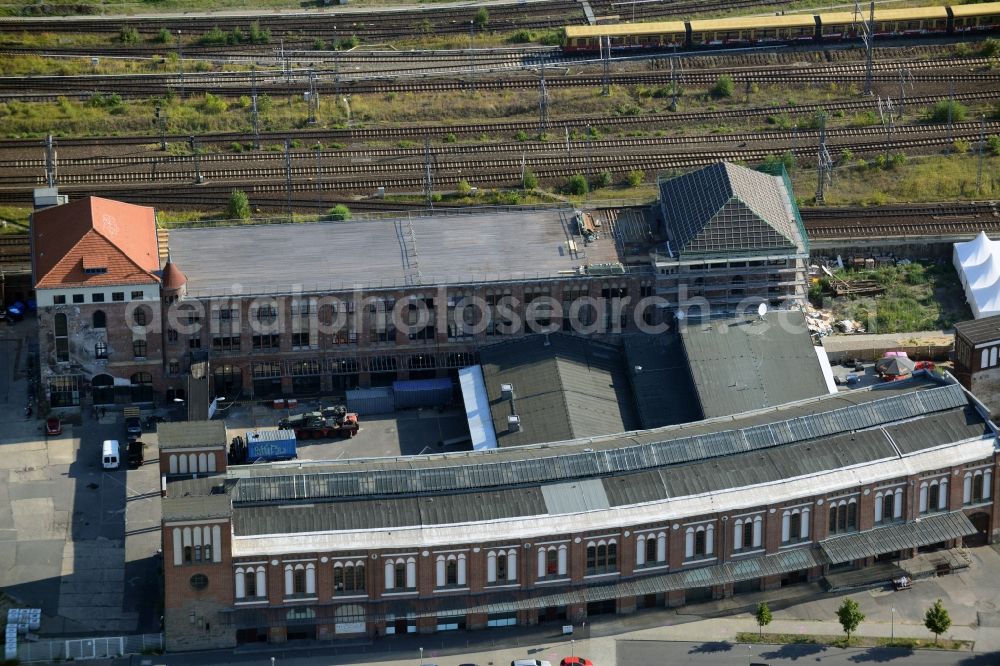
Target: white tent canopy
x=978 y=265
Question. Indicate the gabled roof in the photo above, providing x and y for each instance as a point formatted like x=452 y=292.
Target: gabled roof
x=729 y=208
x=564 y=388
x=114 y=241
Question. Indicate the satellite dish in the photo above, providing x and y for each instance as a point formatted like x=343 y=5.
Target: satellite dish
x=762 y=310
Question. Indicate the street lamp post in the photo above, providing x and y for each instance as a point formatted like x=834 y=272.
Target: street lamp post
x=892 y=625
x=421 y=655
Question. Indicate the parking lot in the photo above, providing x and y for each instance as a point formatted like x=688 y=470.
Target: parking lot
x=76 y=540
x=408 y=432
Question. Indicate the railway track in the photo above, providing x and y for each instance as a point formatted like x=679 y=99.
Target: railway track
x=776 y=140
x=435 y=79
x=499 y=171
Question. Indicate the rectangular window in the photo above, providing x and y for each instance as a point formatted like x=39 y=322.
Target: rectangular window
x=171 y=335
x=174 y=368
x=139 y=348
x=78 y=298
x=140 y=317
x=136 y=296
x=101 y=350
x=226 y=343
x=194 y=343
x=118 y=296
x=300 y=339
x=266 y=341
x=97 y=298
x=59 y=300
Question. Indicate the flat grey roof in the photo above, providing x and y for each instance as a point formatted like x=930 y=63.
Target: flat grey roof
x=661 y=380
x=335 y=256
x=191 y=434
x=743 y=365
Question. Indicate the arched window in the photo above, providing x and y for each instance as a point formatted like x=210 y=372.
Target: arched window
x=796 y=525
x=240 y=583
x=689 y=542
x=612 y=562
x=879 y=508
x=491 y=566
x=100 y=320
x=591 y=557
x=390 y=575
x=640 y=550
x=747 y=536
x=310 y=578
x=897 y=504
x=786 y=526
x=542 y=570
x=987 y=484
x=651 y=555
x=411 y=573
x=562 y=560
x=984 y=362
x=923 y=497
x=993 y=356
x=977 y=487
x=700 y=542
x=832 y=527
x=852 y=515
x=933 y=496
x=758 y=529
x=602 y=556
x=299 y=583
x=451 y=577
x=501 y=566
x=440 y=571
x=460 y=579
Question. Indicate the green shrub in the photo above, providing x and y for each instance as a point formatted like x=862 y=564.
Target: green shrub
x=577 y=185
x=348 y=43
x=635 y=178
x=553 y=37
x=724 y=87
x=235 y=36
x=994 y=144
x=521 y=135
x=318 y=44
x=522 y=37
x=989 y=48
x=604 y=179
x=463 y=188
x=530 y=179
x=129 y=35
x=450 y=138
x=258 y=36
x=212 y=105
x=939 y=112
x=846 y=155
x=239 y=206
x=961 y=146
x=214 y=37
x=481 y=19
x=162 y=37
x=339 y=212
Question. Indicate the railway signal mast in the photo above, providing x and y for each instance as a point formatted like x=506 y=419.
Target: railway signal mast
x=50 y=165
x=543 y=105
x=904 y=78
x=313 y=97
x=982 y=146
x=824 y=163
x=253 y=109
x=885 y=111
x=428 y=178
x=605 y=43
x=288 y=176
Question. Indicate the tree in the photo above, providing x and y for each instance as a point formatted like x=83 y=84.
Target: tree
x=339 y=212
x=937 y=619
x=724 y=87
x=239 y=206
x=129 y=35
x=530 y=179
x=939 y=112
x=482 y=19
x=635 y=178
x=763 y=616
x=850 y=616
x=577 y=184
x=604 y=179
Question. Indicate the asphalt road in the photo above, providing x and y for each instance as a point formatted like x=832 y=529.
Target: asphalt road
x=637 y=653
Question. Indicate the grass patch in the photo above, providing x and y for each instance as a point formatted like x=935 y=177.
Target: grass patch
x=16 y=219
x=921 y=296
x=855 y=641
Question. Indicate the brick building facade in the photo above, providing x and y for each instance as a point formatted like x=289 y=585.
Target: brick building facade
x=607 y=525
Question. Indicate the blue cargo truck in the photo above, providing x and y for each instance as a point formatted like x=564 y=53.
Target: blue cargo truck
x=270 y=445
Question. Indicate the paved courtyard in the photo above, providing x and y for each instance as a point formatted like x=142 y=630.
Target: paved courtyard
x=76 y=540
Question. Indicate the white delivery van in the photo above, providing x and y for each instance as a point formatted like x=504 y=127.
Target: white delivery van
x=110 y=454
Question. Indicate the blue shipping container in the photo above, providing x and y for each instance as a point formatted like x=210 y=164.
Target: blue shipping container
x=422 y=392
x=268 y=445
x=369 y=401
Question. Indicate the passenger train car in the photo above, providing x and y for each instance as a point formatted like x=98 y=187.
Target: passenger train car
x=784 y=29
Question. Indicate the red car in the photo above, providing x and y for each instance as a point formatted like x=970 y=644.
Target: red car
x=575 y=661
x=53 y=426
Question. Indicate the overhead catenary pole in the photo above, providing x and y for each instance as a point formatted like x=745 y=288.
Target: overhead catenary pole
x=606 y=61
x=866 y=30
x=160 y=116
x=288 y=176
x=313 y=97
x=951 y=106
x=824 y=162
x=472 y=58
x=253 y=109
x=982 y=147
x=428 y=177
x=673 y=81
x=193 y=143
x=180 y=62
x=543 y=105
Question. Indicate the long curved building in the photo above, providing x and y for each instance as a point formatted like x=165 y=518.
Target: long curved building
x=562 y=531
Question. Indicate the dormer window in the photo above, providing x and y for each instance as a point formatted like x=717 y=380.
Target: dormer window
x=95 y=265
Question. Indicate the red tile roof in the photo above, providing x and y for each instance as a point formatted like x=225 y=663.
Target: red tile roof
x=97 y=234
x=173 y=277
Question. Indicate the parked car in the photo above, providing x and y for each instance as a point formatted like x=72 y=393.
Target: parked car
x=133 y=426
x=575 y=661
x=529 y=662
x=53 y=426
x=136 y=451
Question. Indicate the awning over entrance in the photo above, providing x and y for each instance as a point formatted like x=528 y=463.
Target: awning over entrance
x=921 y=532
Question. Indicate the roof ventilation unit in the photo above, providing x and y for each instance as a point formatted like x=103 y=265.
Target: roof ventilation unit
x=513 y=423
x=506 y=391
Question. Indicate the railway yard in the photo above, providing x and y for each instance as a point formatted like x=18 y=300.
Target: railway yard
x=398 y=111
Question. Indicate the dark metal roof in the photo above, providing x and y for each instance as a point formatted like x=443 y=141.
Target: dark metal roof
x=729 y=208
x=661 y=380
x=659 y=449
x=953 y=426
x=978 y=331
x=565 y=387
x=742 y=365
x=924 y=531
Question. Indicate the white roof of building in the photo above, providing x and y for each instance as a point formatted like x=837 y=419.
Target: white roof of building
x=978 y=265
